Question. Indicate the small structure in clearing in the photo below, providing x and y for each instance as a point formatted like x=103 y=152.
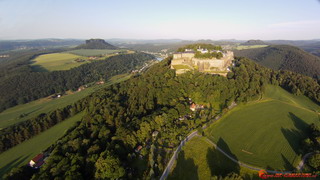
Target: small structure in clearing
x=37 y=161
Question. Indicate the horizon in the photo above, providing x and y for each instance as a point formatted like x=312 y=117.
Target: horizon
x=144 y=20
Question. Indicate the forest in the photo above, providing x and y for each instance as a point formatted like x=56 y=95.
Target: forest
x=115 y=138
x=19 y=84
x=284 y=57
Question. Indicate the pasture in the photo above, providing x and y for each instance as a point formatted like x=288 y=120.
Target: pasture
x=241 y=47
x=44 y=105
x=94 y=52
x=57 y=62
x=200 y=160
x=24 y=152
x=267 y=133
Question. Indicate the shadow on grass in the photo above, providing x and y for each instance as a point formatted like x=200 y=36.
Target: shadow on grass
x=219 y=164
x=287 y=165
x=38 y=68
x=14 y=163
x=185 y=169
x=295 y=136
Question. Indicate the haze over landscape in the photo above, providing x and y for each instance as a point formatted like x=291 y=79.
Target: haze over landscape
x=161 y=90
x=143 y=19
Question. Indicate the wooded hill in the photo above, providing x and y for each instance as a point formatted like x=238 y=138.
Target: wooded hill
x=96 y=44
x=284 y=57
x=254 y=42
x=115 y=138
x=19 y=84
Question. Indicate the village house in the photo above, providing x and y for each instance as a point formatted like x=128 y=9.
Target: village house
x=155 y=133
x=100 y=82
x=138 y=149
x=37 y=161
x=195 y=107
x=81 y=88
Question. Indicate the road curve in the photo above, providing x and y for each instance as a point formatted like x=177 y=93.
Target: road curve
x=195 y=133
x=175 y=155
x=303 y=161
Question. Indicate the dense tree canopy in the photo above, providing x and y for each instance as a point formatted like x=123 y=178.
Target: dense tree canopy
x=120 y=120
x=21 y=84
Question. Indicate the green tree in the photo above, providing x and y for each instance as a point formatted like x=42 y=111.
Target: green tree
x=108 y=166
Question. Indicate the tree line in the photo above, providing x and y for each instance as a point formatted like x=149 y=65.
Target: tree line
x=123 y=117
x=19 y=84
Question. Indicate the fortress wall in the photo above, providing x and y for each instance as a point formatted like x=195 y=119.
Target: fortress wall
x=188 y=55
x=177 y=61
x=219 y=63
x=177 y=56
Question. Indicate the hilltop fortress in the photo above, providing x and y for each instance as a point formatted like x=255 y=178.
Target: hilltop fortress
x=203 y=60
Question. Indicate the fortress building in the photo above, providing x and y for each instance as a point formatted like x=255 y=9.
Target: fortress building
x=186 y=61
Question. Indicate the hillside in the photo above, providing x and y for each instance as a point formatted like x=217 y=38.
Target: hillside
x=21 y=85
x=274 y=128
x=254 y=42
x=96 y=44
x=117 y=129
x=284 y=57
x=8 y=45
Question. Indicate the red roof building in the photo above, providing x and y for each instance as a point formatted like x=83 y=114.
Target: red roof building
x=37 y=161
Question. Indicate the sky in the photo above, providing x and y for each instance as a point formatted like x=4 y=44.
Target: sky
x=160 y=19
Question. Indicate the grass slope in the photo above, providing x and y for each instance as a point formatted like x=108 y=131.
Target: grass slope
x=25 y=151
x=94 y=52
x=56 y=62
x=241 y=47
x=267 y=133
x=199 y=160
x=44 y=105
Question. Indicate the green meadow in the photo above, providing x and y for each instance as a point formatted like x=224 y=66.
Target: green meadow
x=241 y=47
x=94 y=52
x=57 y=61
x=200 y=160
x=44 y=105
x=24 y=152
x=267 y=133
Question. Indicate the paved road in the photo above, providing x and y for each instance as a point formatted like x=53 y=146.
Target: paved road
x=303 y=161
x=175 y=155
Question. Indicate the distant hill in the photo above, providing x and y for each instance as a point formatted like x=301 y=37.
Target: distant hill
x=284 y=57
x=311 y=46
x=96 y=44
x=254 y=42
x=8 y=45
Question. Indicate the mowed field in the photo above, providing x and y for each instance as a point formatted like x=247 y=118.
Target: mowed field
x=44 y=105
x=267 y=133
x=24 y=152
x=94 y=52
x=57 y=61
x=200 y=160
x=241 y=47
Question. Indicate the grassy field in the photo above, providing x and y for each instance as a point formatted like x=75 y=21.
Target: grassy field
x=241 y=47
x=267 y=133
x=25 y=151
x=57 y=61
x=181 y=66
x=94 y=52
x=199 y=160
x=44 y=105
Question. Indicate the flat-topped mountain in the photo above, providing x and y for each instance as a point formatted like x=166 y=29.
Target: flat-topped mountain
x=96 y=44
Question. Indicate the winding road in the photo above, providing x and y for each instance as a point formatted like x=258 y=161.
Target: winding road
x=195 y=133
